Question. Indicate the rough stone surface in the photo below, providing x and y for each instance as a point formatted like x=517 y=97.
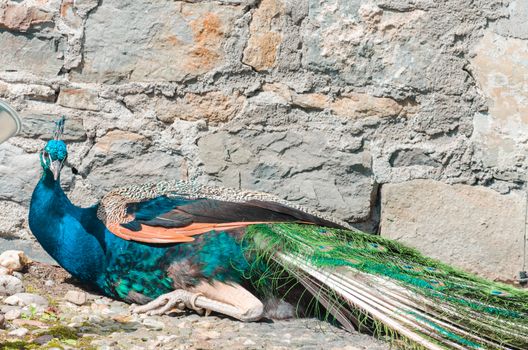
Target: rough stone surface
x=502 y=131
x=12 y=314
x=320 y=102
x=166 y=40
x=264 y=40
x=457 y=224
x=10 y=285
x=75 y=297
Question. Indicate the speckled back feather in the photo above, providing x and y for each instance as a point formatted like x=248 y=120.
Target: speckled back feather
x=113 y=207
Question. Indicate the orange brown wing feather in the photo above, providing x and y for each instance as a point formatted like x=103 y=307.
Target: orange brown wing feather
x=155 y=234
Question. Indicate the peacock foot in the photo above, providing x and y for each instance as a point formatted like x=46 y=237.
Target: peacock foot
x=227 y=299
x=175 y=301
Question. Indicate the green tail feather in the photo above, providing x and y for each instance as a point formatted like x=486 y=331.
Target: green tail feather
x=474 y=312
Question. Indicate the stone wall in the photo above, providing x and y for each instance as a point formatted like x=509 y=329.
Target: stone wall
x=340 y=105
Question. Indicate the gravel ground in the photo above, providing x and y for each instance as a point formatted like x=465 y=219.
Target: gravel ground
x=54 y=320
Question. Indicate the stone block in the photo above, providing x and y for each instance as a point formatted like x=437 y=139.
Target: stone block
x=20 y=17
x=348 y=105
x=214 y=107
x=155 y=40
x=265 y=37
x=17 y=182
x=29 y=54
x=514 y=25
x=500 y=68
x=41 y=126
x=294 y=164
x=473 y=228
x=79 y=99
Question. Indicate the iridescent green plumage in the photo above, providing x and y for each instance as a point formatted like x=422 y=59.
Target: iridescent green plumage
x=454 y=306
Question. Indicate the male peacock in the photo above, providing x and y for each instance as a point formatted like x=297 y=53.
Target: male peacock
x=173 y=245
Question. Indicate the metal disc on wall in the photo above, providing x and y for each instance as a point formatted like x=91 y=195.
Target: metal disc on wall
x=10 y=123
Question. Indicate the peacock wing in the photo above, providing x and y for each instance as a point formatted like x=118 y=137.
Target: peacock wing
x=174 y=212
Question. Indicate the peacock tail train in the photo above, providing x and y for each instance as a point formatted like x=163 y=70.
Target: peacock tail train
x=368 y=282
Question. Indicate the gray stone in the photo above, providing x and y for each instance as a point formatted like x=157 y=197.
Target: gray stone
x=42 y=126
x=295 y=164
x=26 y=299
x=34 y=55
x=12 y=224
x=12 y=314
x=6 y=308
x=16 y=183
x=165 y=40
x=410 y=157
x=19 y=332
x=500 y=134
x=83 y=7
x=458 y=224
x=153 y=324
x=95 y=319
x=79 y=98
x=10 y=285
x=49 y=283
x=514 y=24
x=43 y=339
x=76 y=297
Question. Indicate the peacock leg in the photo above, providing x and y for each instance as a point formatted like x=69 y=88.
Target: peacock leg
x=231 y=300
x=228 y=299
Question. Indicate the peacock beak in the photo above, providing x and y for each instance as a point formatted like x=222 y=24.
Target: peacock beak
x=55 y=168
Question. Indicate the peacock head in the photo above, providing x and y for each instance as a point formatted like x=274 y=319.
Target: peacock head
x=54 y=154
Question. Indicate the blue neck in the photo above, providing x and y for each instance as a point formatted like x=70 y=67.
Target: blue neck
x=73 y=236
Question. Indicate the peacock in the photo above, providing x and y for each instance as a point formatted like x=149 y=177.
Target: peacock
x=171 y=246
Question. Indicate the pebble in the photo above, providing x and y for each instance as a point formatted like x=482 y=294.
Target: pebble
x=153 y=324
x=164 y=339
x=32 y=323
x=49 y=283
x=100 y=308
x=249 y=342
x=43 y=339
x=94 y=319
x=14 y=260
x=10 y=285
x=19 y=332
x=25 y=299
x=12 y=314
x=76 y=297
x=78 y=319
x=4 y=271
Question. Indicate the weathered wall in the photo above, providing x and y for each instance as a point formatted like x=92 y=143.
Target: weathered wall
x=318 y=101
